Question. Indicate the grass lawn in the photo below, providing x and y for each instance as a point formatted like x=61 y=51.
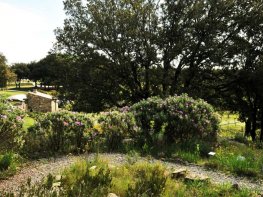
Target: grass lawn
x=230 y=126
x=14 y=91
x=28 y=122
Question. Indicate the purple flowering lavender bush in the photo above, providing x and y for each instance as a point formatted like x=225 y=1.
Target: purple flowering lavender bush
x=61 y=132
x=176 y=119
x=115 y=126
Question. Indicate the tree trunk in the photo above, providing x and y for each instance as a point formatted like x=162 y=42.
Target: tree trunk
x=165 y=80
x=147 y=82
x=254 y=124
x=176 y=78
x=261 y=125
x=248 y=127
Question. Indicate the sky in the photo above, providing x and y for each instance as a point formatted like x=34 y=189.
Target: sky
x=27 y=28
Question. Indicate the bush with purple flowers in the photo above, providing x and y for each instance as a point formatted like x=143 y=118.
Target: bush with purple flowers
x=62 y=132
x=116 y=126
x=176 y=119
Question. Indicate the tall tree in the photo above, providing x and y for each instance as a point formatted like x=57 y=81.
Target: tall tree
x=22 y=72
x=3 y=71
x=122 y=34
x=241 y=82
x=125 y=50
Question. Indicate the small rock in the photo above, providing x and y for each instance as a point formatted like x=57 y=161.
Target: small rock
x=180 y=173
x=93 y=167
x=57 y=184
x=191 y=177
x=211 y=153
x=112 y=195
x=58 y=177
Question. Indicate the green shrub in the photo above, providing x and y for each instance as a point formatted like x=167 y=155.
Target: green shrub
x=6 y=161
x=8 y=164
x=11 y=124
x=61 y=132
x=176 y=119
x=116 y=126
x=150 y=180
x=82 y=180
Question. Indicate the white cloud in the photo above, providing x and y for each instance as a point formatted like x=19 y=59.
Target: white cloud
x=25 y=34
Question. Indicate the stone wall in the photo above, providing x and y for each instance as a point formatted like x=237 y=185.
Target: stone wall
x=36 y=103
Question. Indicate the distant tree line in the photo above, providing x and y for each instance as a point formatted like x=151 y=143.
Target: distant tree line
x=6 y=74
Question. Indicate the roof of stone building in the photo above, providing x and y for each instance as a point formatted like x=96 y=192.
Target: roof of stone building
x=40 y=94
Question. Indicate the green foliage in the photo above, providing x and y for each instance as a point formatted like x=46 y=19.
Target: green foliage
x=6 y=161
x=115 y=126
x=150 y=180
x=87 y=180
x=239 y=159
x=11 y=124
x=3 y=71
x=28 y=122
x=22 y=72
x=61 y=132
x=176 y=119
x=8 y=164
x=49 y=70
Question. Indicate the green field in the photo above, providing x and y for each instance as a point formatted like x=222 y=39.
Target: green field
x=28 y=122
x=11 y=90
x=230 y=126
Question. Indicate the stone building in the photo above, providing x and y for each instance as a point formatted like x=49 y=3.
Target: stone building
x=40 y=102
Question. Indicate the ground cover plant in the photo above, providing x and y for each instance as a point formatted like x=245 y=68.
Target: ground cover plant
x=98 y=178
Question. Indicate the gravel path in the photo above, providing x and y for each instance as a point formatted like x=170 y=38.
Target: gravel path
x=37 y=170
x=215 y=177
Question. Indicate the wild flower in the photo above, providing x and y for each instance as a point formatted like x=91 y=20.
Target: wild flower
x=19 y=118
x=125 y=109
x=78 y=123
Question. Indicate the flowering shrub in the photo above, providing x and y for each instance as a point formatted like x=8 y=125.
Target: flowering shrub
x=11 y=123
x=61 y=132
x=115 y=126
x=177 y=118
